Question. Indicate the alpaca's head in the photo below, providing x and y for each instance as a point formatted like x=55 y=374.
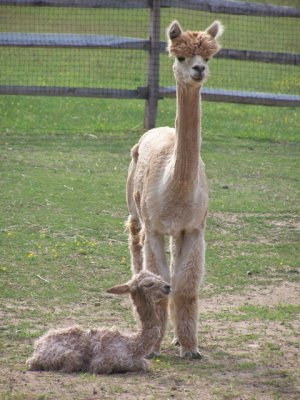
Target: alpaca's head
x=144 y=286
x=192 y=51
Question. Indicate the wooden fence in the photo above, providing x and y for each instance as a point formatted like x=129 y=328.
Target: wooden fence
x=152 y=93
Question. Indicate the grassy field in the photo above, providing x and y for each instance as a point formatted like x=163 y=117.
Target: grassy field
x=63 y=167
x=63 y=243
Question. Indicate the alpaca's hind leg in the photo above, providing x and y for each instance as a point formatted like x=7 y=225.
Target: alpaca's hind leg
x=134 y=223
x=65 y=360
x=135 y=243
x=187 y=270
x=155 y=261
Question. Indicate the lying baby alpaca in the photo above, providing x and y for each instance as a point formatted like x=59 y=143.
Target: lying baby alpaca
x=104 y=351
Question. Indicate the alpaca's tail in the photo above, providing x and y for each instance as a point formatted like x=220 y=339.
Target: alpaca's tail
x=136 y=239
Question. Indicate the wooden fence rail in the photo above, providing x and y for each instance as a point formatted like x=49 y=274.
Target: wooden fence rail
x=152 y=93
x=72 y=40
x=226 y=96
x=214 y=6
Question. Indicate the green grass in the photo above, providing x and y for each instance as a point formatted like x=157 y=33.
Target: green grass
x=280 y=313
x=80 y=164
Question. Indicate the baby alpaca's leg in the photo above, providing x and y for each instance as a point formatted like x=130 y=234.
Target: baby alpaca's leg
x=67 y=361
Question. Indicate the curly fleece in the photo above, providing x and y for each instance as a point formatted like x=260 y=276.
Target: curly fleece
x=189 y=44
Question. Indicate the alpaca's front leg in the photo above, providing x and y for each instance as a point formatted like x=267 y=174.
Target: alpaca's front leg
x=155 y=261
x=154 y=256
x=188 y=252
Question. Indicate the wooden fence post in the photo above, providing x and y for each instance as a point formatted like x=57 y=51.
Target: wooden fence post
x=153 y=66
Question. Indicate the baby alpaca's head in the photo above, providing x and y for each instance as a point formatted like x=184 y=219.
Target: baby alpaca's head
x=144 y=286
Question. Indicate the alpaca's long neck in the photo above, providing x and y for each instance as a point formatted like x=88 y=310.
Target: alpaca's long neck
x=188 y=134
x=147 y=336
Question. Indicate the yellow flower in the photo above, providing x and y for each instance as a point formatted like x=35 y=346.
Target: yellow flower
x=54 y=252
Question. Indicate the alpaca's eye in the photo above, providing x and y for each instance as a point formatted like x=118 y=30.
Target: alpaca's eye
x=180 y=59
x=149 y=285
x=206 y=59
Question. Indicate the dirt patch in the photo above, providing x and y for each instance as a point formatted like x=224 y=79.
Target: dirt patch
x=271 y=296
x=242 y=359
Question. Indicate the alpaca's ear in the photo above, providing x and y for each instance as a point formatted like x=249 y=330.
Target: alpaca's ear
x=174 y=30
x=119 y=289
x=215 y=30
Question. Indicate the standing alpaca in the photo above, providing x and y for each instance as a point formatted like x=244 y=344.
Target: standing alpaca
x=104 y=351
x=167 y=192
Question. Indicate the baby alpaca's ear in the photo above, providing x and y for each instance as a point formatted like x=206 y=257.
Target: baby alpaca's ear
x=119 y=289
x=215 y=30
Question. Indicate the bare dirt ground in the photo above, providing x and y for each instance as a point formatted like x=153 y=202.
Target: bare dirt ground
x=243 y=358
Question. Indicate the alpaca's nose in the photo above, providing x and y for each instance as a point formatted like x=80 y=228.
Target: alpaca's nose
x=199 y=68
x=167 y=288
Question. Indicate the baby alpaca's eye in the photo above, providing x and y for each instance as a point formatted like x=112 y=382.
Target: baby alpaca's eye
x=150 y=284
x=180 y=59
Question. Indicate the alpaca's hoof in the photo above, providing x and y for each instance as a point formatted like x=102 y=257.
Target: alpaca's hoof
x=191 y=355
x=175 y=342
x=152 y=355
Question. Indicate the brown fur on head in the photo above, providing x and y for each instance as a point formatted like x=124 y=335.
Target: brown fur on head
x=189 y=44
x=145 y=284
